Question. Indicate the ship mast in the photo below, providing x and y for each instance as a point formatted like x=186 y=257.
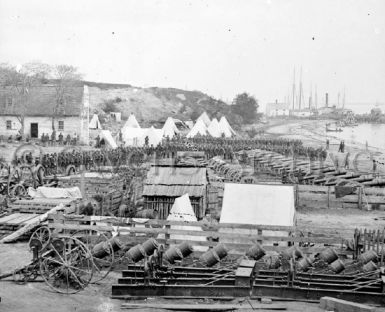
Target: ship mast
x=294 y=90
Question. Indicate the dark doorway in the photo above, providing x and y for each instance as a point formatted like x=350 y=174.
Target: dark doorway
x=34 y=130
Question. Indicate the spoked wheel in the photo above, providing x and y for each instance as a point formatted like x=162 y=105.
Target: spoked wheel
x=40 y=238
x=17 y=190
x=102 y=253
x=70 y=170
x=13 y=178
x=68 y=268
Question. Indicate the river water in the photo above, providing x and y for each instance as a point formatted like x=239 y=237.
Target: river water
x=374 y=134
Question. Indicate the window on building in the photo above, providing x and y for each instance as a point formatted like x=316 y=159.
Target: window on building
x=9 y=124
x=61 y=125
x=9 y=101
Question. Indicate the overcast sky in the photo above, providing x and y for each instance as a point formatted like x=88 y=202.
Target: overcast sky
x=219 y=47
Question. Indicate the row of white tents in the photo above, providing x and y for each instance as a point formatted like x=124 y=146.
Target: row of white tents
x=205 y=126
x=134 y=135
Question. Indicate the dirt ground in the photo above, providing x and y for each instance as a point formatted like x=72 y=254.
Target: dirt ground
x=36 y=297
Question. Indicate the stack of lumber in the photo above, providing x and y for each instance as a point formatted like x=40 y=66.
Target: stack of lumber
x=41 y=205
x=15 y=221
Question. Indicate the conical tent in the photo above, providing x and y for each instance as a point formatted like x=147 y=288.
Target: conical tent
x=199 y=128
x=225 y=127
x=169 y=128
x=107 y=136
x=205 y=118
x=131 y=122
x=95 y=123
x=183 y=211
x=154 y=136
x=214 y=129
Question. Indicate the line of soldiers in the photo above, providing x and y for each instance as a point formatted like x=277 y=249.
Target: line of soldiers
x=211 y=146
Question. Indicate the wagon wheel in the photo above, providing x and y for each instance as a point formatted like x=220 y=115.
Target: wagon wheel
x=102 y=253
x=67 y=269
x=13 y=178
x=70 y=170
x=28 y=175
x=17 y=190
x=39 y=174
x=43 y=236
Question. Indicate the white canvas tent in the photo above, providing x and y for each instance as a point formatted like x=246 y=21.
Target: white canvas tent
x=226 y=128
x=258 y=204
x=169 y=128
x=131 y=122
x=133 y=136
x=205 y=118
x=214 y=129
x=199 y=128
x=107 y=136
x=95 y=123
x=154 y=136
x=183 y=211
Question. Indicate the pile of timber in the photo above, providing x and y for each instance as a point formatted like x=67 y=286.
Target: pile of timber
x=15 y=221
x=108 y=186
x=41 y=205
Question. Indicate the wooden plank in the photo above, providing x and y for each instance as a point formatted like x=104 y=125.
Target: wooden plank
x=199 y=234
x=9 y=217
x=24 y=217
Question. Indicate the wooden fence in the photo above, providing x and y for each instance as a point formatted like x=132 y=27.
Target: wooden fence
x=237 y=237
x=315 y=196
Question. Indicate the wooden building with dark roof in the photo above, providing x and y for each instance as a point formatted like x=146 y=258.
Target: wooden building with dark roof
x=164 y=184
x=37 y=108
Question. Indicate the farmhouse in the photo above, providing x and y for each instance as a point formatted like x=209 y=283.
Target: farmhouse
x=36 y=110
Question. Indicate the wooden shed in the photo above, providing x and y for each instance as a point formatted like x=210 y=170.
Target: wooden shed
x=164 y=184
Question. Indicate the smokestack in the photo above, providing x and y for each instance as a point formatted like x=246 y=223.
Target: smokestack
x=326 y=100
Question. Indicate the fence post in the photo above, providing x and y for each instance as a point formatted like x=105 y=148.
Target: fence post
x=360 y=197
x=328 y=197
x=167 y=235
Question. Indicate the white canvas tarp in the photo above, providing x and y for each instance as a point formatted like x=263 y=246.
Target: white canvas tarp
x=258 y=204
x=205 y=118
x=183 y=211
x=214 y=129
x=226 y=128
x=95 y=123
x=169 y=128
x=107 y=136
x=54 y=192
x=199 y=128
x=131 y=122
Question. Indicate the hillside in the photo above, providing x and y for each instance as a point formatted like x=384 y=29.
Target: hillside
x=153 y=104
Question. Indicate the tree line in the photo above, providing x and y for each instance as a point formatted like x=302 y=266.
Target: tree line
x=22 y=79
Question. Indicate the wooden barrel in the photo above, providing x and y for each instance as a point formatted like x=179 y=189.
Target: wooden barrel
x=337 y=266
x=136 y=253
x=186 y=249
x=149 y=246
x=291 y=252
x=303 y=264
x=256 y=252
x=273 y=262
x=328 y=255
x=220 y=250
x=209 y=258
x=367 y=256
x=115 y=243
x=369 y=267
x=101 y=250
x=172 y=254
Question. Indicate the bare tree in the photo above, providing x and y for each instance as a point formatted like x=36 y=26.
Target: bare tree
x=21 y=80
x=65 y=77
